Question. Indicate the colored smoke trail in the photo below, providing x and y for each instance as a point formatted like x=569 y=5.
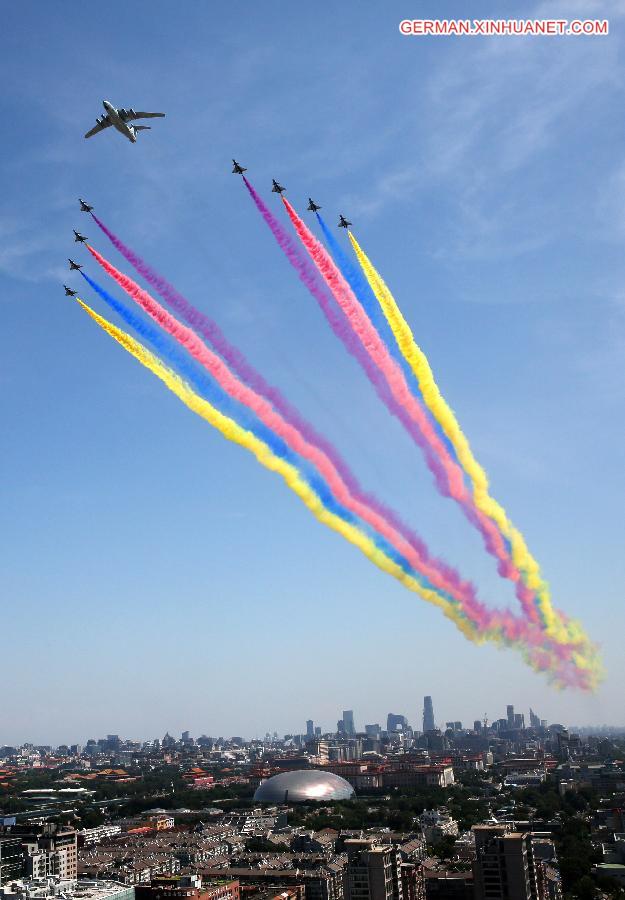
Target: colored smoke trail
x=214 y=394
x=211 y=332
x=501 y=628
x=339 y=323
x=417 y=360
x=231 y=430
x=479 y=619
x=439 y=574
x=376 y=349
x=563 y=667
x=291 y=416
x=363 y=292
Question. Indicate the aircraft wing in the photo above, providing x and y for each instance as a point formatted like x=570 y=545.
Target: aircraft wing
x=129 y=115
x=100 y=125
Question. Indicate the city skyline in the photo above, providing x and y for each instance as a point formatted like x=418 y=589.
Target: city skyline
x=528 y=714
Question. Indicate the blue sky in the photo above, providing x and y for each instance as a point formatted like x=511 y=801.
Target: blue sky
x=153 y=576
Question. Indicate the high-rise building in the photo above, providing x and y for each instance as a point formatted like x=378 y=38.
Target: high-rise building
x=504 y=866
x=310 y=728
x=373 y=731
x=395 y=722
x=510 y=716
x=373 y=872
x=428 y=714
x=534 y=719
x=348 y=721
x=49 y=850
x=12 y=858
x=317 y=730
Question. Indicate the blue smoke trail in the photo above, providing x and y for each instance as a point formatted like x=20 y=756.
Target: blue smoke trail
x=369 y=302
x=177 y=358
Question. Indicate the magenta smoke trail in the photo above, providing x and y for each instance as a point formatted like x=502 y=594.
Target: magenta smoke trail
x=542 y=651
x=359 y=321
x=339 y=324
x=211 y=332
x=267 y=414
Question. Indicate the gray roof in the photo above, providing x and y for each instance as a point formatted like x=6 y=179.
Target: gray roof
x=302 y=785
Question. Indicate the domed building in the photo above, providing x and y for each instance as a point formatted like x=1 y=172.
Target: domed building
x=303 y=785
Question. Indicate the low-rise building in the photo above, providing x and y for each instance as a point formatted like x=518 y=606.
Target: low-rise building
x=437 y=824
x=52 y=888
x=188 y=887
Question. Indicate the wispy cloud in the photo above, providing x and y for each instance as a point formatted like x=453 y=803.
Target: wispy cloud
x=482 y=122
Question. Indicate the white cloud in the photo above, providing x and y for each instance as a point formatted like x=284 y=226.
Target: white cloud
x=484 y=119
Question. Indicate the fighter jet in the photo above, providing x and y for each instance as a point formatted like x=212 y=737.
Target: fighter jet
x=79 y=237
x=84 y=207
x=237 y=169
x=73 y=265
x=69 y=292
x=343 y=223
x=277 y=188
x=312 y=206
x=119 y=119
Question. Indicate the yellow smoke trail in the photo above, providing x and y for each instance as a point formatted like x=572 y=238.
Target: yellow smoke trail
x=584 y=660
x=443 y=414
x=238 y=435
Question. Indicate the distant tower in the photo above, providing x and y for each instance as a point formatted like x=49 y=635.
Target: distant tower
x=310 y=728
x=428 y=714
x=510 y=714
x=348 y=721
x=395 y=722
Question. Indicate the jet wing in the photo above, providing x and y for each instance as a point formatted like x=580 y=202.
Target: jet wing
x=129 y=115
x=100 y=125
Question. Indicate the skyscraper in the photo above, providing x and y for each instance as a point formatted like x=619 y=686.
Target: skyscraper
x=428 y=714
x=510 y=714
x=310 y=728
x=395 y=722
x=348 y=721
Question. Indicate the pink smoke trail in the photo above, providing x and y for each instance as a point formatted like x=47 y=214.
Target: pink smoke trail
x=211 y=332
x=461 y=591
x=553 y=656
x=371 y=341
x=502 y=626
x=375 y=347
x=339 y=324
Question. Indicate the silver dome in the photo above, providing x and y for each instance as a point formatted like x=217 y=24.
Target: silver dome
x=302 y=785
